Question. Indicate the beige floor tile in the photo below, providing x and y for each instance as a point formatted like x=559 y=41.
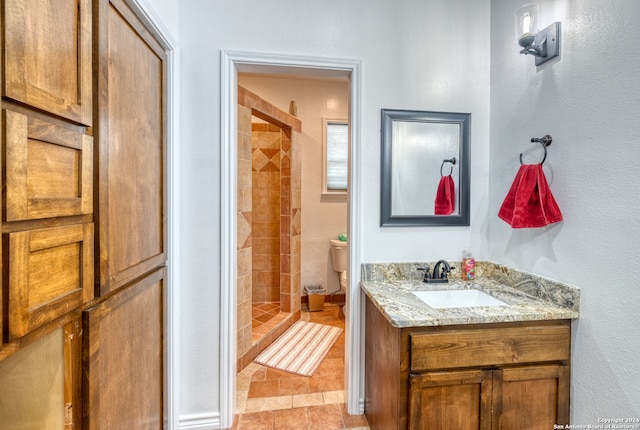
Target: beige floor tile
x=268 y=404
x=304 y=400
x=276 y=403
x=331 y=397
x=241 y=401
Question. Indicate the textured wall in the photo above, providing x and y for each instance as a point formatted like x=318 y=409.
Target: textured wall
x=589 y=101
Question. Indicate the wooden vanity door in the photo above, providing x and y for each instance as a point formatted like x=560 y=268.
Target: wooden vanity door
x=458 y=400
x=535 y=395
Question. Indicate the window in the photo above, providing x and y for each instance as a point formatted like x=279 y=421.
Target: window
x=336 y=159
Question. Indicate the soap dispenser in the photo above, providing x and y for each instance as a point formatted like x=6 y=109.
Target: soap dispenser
x=468 y=266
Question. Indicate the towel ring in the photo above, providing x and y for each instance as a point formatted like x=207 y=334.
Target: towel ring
x=449 y=160
x=544 y=141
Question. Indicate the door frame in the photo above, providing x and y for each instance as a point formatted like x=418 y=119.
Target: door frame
x=231 y=63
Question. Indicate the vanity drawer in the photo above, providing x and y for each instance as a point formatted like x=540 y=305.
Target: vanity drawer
x=499 y=346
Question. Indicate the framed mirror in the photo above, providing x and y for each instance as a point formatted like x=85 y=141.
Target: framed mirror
x=425 y=168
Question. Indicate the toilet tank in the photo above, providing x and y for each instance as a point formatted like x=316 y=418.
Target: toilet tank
x=339 y=252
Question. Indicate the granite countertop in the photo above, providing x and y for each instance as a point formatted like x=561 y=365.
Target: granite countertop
x=528 y=297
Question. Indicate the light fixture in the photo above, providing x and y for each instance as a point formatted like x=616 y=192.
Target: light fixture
x=543 y=45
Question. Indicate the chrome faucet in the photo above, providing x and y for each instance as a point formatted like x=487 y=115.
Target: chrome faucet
x=440 y=272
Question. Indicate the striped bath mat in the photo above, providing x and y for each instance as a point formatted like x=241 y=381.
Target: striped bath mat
x=301 y=348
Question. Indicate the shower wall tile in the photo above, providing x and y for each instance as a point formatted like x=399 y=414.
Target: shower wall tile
x=244 y=173
x=262 y=196
x=265 y=279
x=285 y=205
x=244 y=287
x=285 y=186
x=266 y=229
x=266 y=212
x=285 y=283
x=285 y=263
x=266 y=180
x=244 y=120
x=244 y=256
x=285 y=300
x=285 y=224
x=266 y=262
x=244 y=317
x=244 y=261
x=285 y=165
x=244 y=198
x=266 y=246
x=285 y=244
x=257 y=295
x=244 y=229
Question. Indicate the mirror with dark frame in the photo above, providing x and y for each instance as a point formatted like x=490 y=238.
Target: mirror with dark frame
x=425 y=168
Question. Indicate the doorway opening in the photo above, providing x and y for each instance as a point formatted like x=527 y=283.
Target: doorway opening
x=232 y=64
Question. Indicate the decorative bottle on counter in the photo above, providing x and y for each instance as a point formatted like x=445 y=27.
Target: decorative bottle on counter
x=468 y=266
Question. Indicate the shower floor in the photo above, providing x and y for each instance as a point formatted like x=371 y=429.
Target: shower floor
x=264 y=317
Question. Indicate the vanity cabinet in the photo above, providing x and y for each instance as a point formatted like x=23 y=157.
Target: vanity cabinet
x=475 y=376
x=490 y=399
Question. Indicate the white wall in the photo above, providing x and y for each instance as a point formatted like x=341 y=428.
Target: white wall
x=321 y=220
x=589 y=101
x=415 y=55
x=166 y=11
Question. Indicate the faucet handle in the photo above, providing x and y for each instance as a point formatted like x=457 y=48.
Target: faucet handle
x=427 y=273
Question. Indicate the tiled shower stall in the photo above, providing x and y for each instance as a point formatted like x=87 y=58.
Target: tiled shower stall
x=269 y=221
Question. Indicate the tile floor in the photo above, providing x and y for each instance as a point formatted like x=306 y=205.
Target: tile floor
x=264 y=317
x=271 y=399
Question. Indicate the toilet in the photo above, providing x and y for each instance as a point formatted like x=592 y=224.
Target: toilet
x=339 y=251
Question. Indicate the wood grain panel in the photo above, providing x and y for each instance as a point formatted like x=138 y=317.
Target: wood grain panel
x=49 y=169
x=449 y=349
x=451 y=400
x=123 y=358
x=536 y=395
x=47 y=56
x=132 y=218
x=50 y=273
x=383 y=386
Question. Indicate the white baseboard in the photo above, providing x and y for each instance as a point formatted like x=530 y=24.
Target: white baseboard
x=209 y=421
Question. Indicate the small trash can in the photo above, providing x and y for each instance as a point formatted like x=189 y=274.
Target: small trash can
x=316 y=297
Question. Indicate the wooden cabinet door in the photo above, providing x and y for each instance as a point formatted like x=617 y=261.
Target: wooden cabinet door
x=131 y=135
x=49 y=169
x=123 y=355
x=47 y=56
x=458 y=400
x=533 y=397
x=50 y=273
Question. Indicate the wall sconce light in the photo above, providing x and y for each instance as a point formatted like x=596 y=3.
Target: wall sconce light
x=543 y=45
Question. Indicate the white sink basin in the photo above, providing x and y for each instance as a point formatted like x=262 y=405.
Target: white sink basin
x=457 y=299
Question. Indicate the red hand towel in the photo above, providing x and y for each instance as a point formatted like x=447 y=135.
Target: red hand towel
x=529 y=202
x=445 y=196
